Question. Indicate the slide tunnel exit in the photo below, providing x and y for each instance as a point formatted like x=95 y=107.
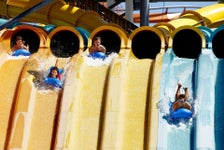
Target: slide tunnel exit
x=81 y=117
x=9 y=74
x=117 y=105
x=36 y=100
x=125 y=100
x=217 y=49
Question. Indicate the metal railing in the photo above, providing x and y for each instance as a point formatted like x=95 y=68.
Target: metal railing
x=105 y=13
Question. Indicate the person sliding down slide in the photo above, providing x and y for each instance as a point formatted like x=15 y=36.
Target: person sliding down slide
x=20 y=49
x=97 y=50
x=181 y=108
x=181 y=99
x=54 y=77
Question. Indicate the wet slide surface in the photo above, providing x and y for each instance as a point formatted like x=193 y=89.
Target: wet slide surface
x=82 y=103
x=106 y=113
x=133 y=104
x=10 y=70
x=175 y=134
x=219 y=111
x=205 y=101
x=35 y=109
x=204 y=78
x=89 y=111
x=87 y=107
x=209 y=123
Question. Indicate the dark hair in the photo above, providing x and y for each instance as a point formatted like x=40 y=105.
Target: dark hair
x=53 y=68
x=181 y=96
x=96 y=38
x=19 y=38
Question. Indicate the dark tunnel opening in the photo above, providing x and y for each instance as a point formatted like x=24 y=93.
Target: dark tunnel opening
x=218 y=45
x=146 y=44
x=110 y=40
x=29 y=37
x=187 y=44
x=64 y=44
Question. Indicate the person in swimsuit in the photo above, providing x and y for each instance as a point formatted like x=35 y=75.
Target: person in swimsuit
x=181 y=99
x=97 y=46
x=19 y=44
x=54 y=73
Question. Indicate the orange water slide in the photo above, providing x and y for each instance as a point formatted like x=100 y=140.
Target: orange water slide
x=157 y=17
x=206 y=16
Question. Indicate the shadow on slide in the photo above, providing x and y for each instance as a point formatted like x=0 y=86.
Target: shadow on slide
x=218 y=50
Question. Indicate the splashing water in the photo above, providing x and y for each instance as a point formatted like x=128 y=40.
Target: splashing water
x=99 y=62
x=164 y=108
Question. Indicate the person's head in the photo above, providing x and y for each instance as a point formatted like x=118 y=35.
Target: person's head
x=97 y=40
x=181 y=96
x=19 y=41
x=54 y=73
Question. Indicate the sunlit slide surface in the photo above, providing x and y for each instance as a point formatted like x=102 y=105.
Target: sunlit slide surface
x=119 y=102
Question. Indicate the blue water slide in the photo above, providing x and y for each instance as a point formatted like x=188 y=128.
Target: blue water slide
x=85 y=35
x=179 y=66
x=49 y=27
x=205 y=97
x=164 y=100
x=171 y=136
x=218 y=50
x=207 y=33
x=3 y=21
x=219 y=103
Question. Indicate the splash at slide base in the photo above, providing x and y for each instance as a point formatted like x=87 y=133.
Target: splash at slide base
x=119 y=108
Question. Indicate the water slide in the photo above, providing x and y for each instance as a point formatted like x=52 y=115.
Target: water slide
x=200 y=71
x=56 y=13
x=210 y=114
x=181 y=68
x=107 y=110
x=210 y=16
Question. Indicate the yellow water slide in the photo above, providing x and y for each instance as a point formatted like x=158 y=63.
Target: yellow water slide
x=30 y=112
x=83 y=112
x=84 y=97
x=111 y=106
x=57 y=13
x=11 y=69
x=211 y=15
x=43 y=105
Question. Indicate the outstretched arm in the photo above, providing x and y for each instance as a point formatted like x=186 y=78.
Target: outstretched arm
x=102 y=49
x=178 y=90
x=91 y=49
x=186 y=94
x=26 y=47
x=99 y=48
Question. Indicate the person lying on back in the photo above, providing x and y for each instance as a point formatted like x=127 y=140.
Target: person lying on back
x=181 y=99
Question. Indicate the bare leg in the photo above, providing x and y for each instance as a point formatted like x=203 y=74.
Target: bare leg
x=187 y=105
x=177 y=105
